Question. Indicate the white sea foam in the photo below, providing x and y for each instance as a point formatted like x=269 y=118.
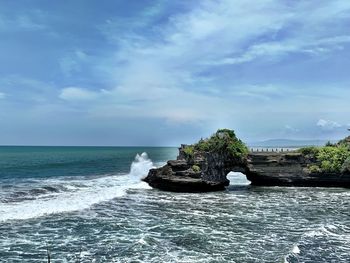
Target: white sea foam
x=87 y=192
x=296 y=249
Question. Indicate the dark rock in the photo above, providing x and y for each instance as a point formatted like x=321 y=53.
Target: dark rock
x=178 y=165
x=180 y=176
x=202 y=170
x=289 y=169
x=164 y=179
x=263 y=169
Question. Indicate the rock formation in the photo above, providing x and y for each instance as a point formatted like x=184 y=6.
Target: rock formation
x=290 y=169
x=204 y=166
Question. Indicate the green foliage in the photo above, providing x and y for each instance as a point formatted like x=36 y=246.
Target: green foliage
x=196 y=168
x=346 y=166
x=314 y=168
x=345 y=142
x=189 y=151
x=224 y=140
x=332 y=158
x=329 y=159
x=312 y=150
x=230 y=133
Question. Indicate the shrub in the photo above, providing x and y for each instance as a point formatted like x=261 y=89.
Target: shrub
x=314 y=168
x=229 y=132
x=332 y=158
x=224 y=140
x=346 y=166
x=189 y=151
x=329 y=159
x=312 y=150
x=345 y=142
x=196 y=168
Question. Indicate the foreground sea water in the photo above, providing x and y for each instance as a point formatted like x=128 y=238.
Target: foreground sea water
x=87 y=204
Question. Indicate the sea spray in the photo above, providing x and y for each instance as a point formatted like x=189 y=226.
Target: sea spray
x=80 y=193
x=140 y=166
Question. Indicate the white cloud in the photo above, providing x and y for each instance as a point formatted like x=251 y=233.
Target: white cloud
x=72 y=62
x=167 y=76
x=19 y=88
x=234 y=32
x=78 y=94
x=69 y=66
x=302 y=39
x=328 y=124
x=277 y=49
x=201 y=64
x=291 y=129
x=2 y=95
x=260 y=92
x=164 y=76
x=28 y=22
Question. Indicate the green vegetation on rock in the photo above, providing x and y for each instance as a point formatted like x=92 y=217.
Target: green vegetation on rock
x=346 y=166
x=189 y=151
x=223 y=141
x=345 y=142
x=312 y=150
x=196 y=168
x=332 y=158
x=314 y=168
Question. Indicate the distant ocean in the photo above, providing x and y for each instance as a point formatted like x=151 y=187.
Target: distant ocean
x=88 y=204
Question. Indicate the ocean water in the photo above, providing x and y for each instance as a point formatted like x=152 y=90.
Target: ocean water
x=88 y=204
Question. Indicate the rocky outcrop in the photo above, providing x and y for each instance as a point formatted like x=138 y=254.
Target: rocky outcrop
x=204 y=167
x=289 y=169
x=201 y=172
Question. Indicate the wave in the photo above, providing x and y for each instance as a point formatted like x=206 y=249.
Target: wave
x=62 y=195
x=324 y=241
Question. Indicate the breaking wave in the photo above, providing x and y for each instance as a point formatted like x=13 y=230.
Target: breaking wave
x=59 y=195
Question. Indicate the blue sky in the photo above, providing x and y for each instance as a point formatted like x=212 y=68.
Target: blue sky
x=169 y=72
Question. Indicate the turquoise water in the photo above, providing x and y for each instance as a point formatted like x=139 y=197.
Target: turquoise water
x=88 y=203
x=34 y=162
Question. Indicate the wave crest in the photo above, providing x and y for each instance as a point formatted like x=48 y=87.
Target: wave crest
x=78 y=194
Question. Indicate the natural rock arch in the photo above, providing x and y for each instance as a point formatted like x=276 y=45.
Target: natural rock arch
x=203 y=166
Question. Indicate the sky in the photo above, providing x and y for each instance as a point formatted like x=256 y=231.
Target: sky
x=162 y=73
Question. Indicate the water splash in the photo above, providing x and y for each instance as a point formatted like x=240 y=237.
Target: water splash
x=296 y=249
x=79 y=193
x=140 y=166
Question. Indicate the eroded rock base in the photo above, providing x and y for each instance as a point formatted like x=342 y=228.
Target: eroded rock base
x=178 y=176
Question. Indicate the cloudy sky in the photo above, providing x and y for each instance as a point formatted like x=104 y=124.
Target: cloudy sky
x=168 y=72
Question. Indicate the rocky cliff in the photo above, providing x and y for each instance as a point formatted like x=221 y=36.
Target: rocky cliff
x=201 y=173
x=204 y=166
x=290 y=169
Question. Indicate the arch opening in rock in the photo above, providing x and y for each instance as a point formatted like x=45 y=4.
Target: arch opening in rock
x=202 y=166
x=237 y=179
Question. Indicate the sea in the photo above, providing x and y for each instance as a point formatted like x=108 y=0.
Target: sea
x=88 y=204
